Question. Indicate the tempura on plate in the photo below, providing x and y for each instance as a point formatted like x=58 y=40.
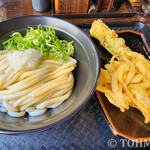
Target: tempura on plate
x=108 y=38
x=126 y=81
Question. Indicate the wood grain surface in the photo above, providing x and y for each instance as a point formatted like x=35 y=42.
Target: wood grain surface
x=15 y=8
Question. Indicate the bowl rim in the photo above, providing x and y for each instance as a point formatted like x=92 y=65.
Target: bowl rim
x=70 y=115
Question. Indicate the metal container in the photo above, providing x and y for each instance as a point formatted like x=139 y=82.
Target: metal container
x=86 y=74
x=41 y=5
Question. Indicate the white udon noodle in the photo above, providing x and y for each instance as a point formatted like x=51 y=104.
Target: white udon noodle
x=34 y=91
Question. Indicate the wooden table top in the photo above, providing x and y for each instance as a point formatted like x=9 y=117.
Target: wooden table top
x=15 y=8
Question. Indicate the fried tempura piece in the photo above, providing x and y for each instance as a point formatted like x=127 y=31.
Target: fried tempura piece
x=108 y=38
x=126 y=81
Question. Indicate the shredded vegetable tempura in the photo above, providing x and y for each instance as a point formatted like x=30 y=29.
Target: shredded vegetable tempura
x=126 y=81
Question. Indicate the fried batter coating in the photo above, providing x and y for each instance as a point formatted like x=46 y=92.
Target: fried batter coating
x=108 y=38
x=126 y=81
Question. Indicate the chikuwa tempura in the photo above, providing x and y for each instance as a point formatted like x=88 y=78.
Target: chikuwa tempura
x=125 y=80
x=35 y=72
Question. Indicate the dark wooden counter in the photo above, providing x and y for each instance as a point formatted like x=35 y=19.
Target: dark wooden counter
x=15 y=8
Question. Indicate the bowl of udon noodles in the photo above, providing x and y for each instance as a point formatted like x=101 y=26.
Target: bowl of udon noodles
x=41 y=88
